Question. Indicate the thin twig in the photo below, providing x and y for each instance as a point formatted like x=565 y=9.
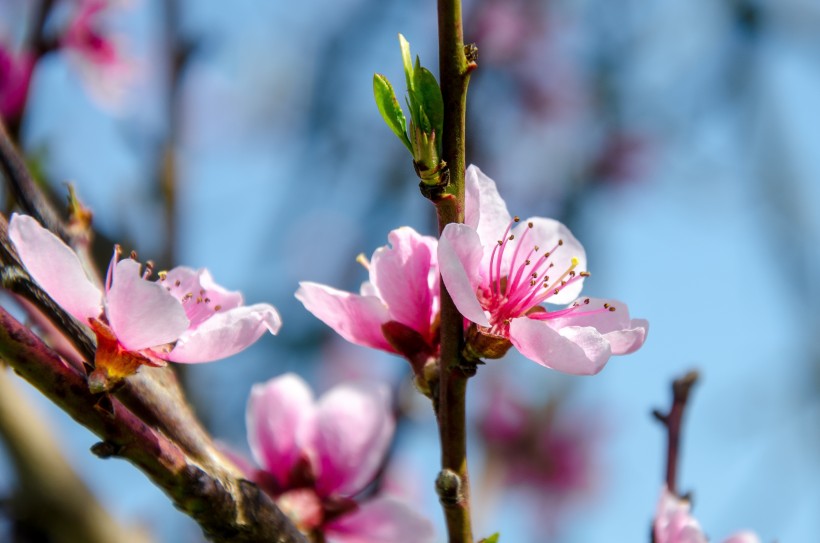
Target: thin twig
x=673 y=420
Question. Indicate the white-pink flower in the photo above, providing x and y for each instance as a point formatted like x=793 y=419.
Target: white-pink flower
x=499 y=270
x=317 y=456
x=397 y=309
x=182 y=317
x=675 y=524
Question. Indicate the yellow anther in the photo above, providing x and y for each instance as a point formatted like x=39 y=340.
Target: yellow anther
x=361 y=259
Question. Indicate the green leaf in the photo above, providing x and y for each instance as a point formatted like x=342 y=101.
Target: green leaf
x=429 y=95
x=492 y=539
x=407 y=60
x=390 y=109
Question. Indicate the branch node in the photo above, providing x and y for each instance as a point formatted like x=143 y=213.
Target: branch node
x=449 y=488
x=106 y=449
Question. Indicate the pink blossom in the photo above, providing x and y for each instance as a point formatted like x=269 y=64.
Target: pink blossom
x=499 y=271
x=675 y=524
x=96 y=54
x=15 y=77
x=182 y=317
x=546 y=450
x=317 y=456
x=397 y=309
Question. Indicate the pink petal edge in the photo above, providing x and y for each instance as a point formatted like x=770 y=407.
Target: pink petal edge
x=574 y=350
x=55 y=267
x=142 y=313
x=459 y=255
x=356 y=318
x=224 y=334
x=381 y=520
x=279 y=412
x=354 y=427
x=400 y=273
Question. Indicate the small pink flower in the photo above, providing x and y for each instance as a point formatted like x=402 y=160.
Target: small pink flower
x=675 y=524
x=15 y=77
x=397 y=309
x=96 y=53
x=317 y=456
x=183 y=317
x=499 y=271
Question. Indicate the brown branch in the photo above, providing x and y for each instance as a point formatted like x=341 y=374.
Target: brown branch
x=50 y=496
x=673 y=420
x=453 y=483
x=227 y=507
x=25 y=190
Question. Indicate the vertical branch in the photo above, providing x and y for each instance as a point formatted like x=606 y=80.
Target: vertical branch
x=453 y=483
x=673 y=420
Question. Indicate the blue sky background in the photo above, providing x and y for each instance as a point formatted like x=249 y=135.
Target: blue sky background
x=286 y=173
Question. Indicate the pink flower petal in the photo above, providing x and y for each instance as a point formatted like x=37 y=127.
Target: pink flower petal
x=401 y=274
x=630 y=339
x=279 y=412
x=356 y=318
x=459 y=255
x=354 y=427
x=673 y=522
x=484 y=209
x=142 y=313
x=743 y=537
x=574 y=350
x=55 y=267
x=16 y=70
x=224 y=334
x=198 y=293
x=625 y=335
x=381 y=520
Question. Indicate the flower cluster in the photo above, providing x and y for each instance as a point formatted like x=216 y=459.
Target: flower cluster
x=183 y=316
x=499 y=271
x=318 y=457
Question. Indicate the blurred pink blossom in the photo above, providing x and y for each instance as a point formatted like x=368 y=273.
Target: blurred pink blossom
x=96 y=53
x=15 y=77
x=397 y=309
x=675 y=524
x=546 y=450
x=318 y=456
x=499 y=271
x=183 y=317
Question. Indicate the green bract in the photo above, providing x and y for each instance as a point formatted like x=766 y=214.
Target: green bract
x=426 y=106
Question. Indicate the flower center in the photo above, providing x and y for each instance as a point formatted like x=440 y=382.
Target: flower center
x=194 y=299
x=525 y=280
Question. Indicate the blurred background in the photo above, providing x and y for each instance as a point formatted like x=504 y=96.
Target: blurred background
x=679 y=140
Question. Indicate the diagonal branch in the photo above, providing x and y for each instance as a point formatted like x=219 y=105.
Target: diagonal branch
x=227 y=507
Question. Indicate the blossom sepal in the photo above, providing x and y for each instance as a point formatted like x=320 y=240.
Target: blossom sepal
x=480 y=343
x=408 y=343
x=113 y=363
